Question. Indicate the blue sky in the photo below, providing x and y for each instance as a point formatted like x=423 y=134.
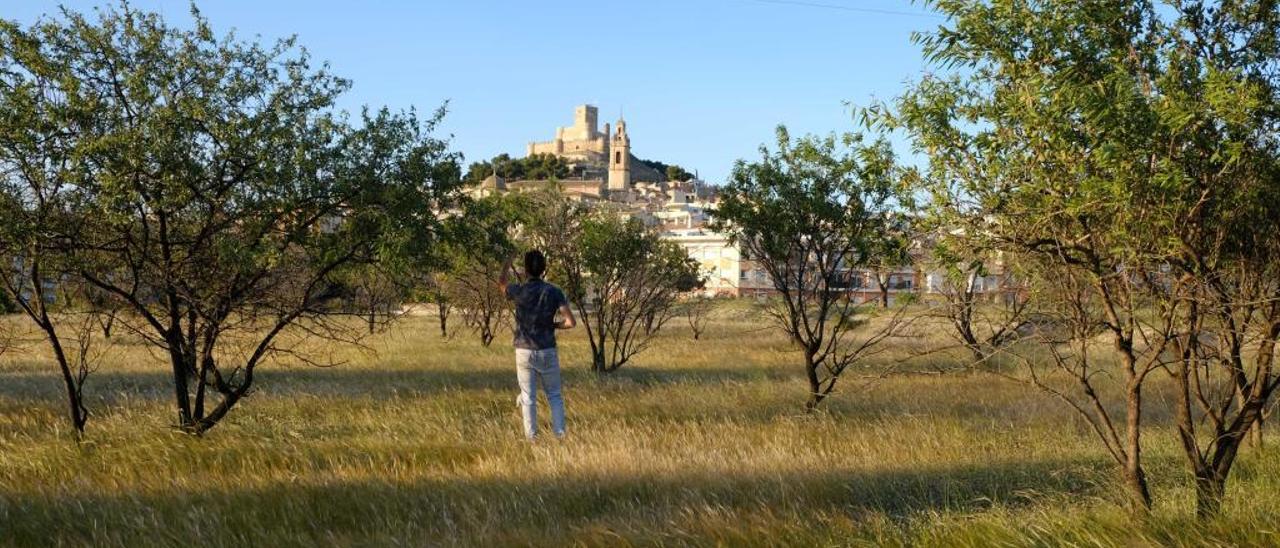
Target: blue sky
x=701 y=82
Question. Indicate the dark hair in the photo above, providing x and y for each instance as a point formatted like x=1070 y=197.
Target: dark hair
x=534 y=263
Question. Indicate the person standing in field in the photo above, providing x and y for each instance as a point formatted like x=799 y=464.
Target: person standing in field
x=536 y=303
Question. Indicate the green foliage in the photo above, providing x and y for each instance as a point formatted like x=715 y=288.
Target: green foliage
x=477 y=172
x=672 y=172
x=1068 y=122
x=542 y=167
x=485 y=229
x=476 y=246
x=614 y=248
x=538 y=167
x=554 y=226
x=210 y=186
x=677 y=173
x=809 y=196
x=660 y=167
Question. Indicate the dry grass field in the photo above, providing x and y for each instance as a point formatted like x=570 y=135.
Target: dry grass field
x=693 y=444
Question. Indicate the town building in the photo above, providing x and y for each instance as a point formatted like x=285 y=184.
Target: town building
x=720 y=262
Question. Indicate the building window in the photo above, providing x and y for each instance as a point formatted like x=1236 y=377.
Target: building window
x=617 y=157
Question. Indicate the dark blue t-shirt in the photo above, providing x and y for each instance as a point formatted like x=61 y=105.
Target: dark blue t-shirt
x=536 y=305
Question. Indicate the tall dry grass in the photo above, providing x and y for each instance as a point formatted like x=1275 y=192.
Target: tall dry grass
x=697 y=443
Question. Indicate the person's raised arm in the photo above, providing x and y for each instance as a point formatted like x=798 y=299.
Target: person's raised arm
x=505 y=277
x=567 y=320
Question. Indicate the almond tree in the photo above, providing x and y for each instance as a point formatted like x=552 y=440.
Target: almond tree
x=71 y=330
x=627 y=287
x=40 y=201
x=481 y=240
x=437 y=295
x=622 y=278
x=810 y=213
x=984 y=321
x=697 y=310
x=1129 y=151
x=225 y=203
x=893 y=251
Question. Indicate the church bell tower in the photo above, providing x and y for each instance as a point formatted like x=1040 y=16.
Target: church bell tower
x=620 y=158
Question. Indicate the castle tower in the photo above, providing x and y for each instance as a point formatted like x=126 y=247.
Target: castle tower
x=620 y=158
x=584 y=123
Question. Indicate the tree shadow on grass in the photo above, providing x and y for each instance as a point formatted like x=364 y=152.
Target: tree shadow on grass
x=554 y=510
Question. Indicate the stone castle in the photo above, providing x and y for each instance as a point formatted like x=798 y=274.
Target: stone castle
x=602 y=162
x=579 y=142
x=602 y=155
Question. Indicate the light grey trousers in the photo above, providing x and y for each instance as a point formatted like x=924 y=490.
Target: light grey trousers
x=534 y=367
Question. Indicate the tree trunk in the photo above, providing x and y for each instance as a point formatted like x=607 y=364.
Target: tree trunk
x=1135 y=481
x=444 y=321
x=882 y=282
x=181 y=382
x=599 y=358
x=1210 y=489
x=815 y=386
x=1255 y=433
x=108 y=324
x=35 y=309
x=202 y=387
x=595 y=326
x=1135 y=476
x=979 y=356
x=75 y=401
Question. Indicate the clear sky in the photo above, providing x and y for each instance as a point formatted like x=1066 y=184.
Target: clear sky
x=700 y=82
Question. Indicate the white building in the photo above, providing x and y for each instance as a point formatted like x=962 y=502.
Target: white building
x=720 y=261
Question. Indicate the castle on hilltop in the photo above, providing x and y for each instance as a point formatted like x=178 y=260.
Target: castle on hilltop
x=602 y=164
x=600 y=154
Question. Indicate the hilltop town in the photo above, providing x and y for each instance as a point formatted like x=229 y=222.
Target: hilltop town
x=603 y=169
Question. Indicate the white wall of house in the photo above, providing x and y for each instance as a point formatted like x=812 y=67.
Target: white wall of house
x=720 y=261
